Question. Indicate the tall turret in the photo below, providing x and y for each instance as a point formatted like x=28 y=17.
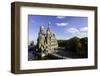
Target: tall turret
x=41 y=41
x=42 y=29
x=51 y=40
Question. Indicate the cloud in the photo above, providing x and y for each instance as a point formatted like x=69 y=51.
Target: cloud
x=73 y=30
x=61 y=24
x=84 y=29
x=60 y=17
x=81 y=32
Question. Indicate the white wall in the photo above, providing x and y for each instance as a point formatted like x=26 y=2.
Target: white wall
x=5 y=42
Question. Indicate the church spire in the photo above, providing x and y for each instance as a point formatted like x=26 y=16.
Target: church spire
x=41 y=28
x=48 y=29
x=49 y=24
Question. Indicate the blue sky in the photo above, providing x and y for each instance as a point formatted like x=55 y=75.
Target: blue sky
x=64 y=27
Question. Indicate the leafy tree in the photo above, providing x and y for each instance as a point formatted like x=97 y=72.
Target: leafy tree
x=77 y=45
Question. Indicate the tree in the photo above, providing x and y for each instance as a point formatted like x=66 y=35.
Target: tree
x=79 y=46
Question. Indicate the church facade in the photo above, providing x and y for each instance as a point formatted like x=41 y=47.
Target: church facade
x=46 y=41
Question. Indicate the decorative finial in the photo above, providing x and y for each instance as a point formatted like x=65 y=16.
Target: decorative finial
x=41 y=27
x=49 y=23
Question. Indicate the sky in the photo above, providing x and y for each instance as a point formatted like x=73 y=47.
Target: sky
x=64 y=27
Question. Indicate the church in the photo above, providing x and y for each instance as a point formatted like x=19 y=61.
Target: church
x=46 y=42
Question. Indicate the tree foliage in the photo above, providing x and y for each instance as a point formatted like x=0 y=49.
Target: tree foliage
x=77 y=45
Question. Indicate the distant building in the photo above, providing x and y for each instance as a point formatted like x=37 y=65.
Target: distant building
x=46 y=42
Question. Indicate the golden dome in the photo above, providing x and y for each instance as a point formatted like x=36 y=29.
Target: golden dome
x=41 y=28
